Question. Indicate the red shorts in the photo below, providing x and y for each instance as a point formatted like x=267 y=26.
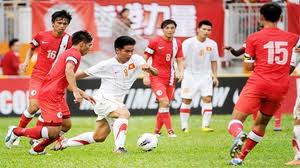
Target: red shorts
x=54 y=113
x=161 y=89
x=34 y=86
x=252 y=100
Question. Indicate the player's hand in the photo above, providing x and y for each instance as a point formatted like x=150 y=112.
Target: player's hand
x=215 y=81
x=179 y=76
x=146 y=68
x=23 y=67
x=89 y=98
x=146 y=80
x=297 y=49
x=77 y=96
x=229 y=48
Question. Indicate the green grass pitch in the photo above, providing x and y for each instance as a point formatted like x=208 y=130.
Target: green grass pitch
x=193 y=149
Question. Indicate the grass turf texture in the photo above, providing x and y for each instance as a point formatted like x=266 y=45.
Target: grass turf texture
x=193 y=149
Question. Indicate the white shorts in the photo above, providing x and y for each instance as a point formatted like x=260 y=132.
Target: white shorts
x=105 y=105
x=297 y=108
x=192 y=84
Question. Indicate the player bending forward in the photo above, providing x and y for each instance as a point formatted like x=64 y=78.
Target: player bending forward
x=117 y=76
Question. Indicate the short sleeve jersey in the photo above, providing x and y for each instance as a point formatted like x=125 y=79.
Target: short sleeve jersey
x=55 y=84
x=48 y=48
x=161 y=52
x=198 y=55
x=271 y=50
x=117 y=78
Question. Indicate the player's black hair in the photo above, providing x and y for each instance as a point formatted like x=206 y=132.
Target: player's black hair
x=12 y=42
x=122 y=41
x=271 y=11
x=61 y=14
x=205 y=22
x=167 y=22
x=80 y=36
x=123 y=10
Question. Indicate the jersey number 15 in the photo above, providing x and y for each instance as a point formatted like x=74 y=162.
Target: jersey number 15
x=276 y=48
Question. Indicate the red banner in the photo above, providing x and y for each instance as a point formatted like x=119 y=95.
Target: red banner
x=147 y=16
x=82 y=16
x=293 y=17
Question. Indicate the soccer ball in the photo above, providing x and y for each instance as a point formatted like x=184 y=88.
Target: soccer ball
x=147 y=142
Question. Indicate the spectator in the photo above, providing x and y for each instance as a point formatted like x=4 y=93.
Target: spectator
x=123 y=16
x=10 y=62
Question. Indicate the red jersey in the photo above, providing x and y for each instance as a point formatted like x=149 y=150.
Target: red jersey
x=271 y=49
x=49 y=47
x=163 y=53
x=10 y=63
x=55 y=83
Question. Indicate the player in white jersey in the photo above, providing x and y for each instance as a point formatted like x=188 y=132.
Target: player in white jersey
x=296 y=139
x=200 y=74
x=117 y=76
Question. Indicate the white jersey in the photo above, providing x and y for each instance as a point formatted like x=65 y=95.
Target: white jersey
x=116 y=78
x=198 y=55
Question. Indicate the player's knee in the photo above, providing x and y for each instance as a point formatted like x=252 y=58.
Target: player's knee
x=99 y=138
x=66 y=127
x=164 y=103
x=187 y=101
x=207 y=99
x=33 y=108
x=53 y=132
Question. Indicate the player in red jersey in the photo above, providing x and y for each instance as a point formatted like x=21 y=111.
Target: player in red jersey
x=49 y=44
x=164 y=51
x=241 y=51
x=51 y=95
x=271 y=50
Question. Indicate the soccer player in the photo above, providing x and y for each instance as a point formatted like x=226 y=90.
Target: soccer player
x=51 y=95
x=50 y=44
x=164 y=51
x=271 y=50
x=241 y=51
x=117 y=76
x=200 y=74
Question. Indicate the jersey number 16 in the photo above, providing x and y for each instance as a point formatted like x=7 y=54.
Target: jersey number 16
x=276 y=48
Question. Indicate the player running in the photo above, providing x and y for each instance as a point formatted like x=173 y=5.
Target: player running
x=117 y=76
x=271 y=50
x=200 y=74
x=50 y=44
x=164 y=51
x=51 y=95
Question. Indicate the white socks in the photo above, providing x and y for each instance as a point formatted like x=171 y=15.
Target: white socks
x=119 y=130
x=80 y=140
x=185 y=111
x=27 y=114
x=206 y=114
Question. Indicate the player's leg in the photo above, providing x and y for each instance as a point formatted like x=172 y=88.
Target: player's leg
x=206 y=112
x=119 y=127
x=254 y=137
x=206 y=90
x=99 y=135
x=33 y=107
x=185 y=111
x=247 y=104
x=159 y=90
x=165 y=104
x=188 y=90
x=277 y=120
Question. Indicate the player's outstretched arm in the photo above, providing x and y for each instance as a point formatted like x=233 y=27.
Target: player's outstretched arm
x=149 y=69
x=234 y=52
x=80 y=75
x=180 y=66
x=70 y=76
